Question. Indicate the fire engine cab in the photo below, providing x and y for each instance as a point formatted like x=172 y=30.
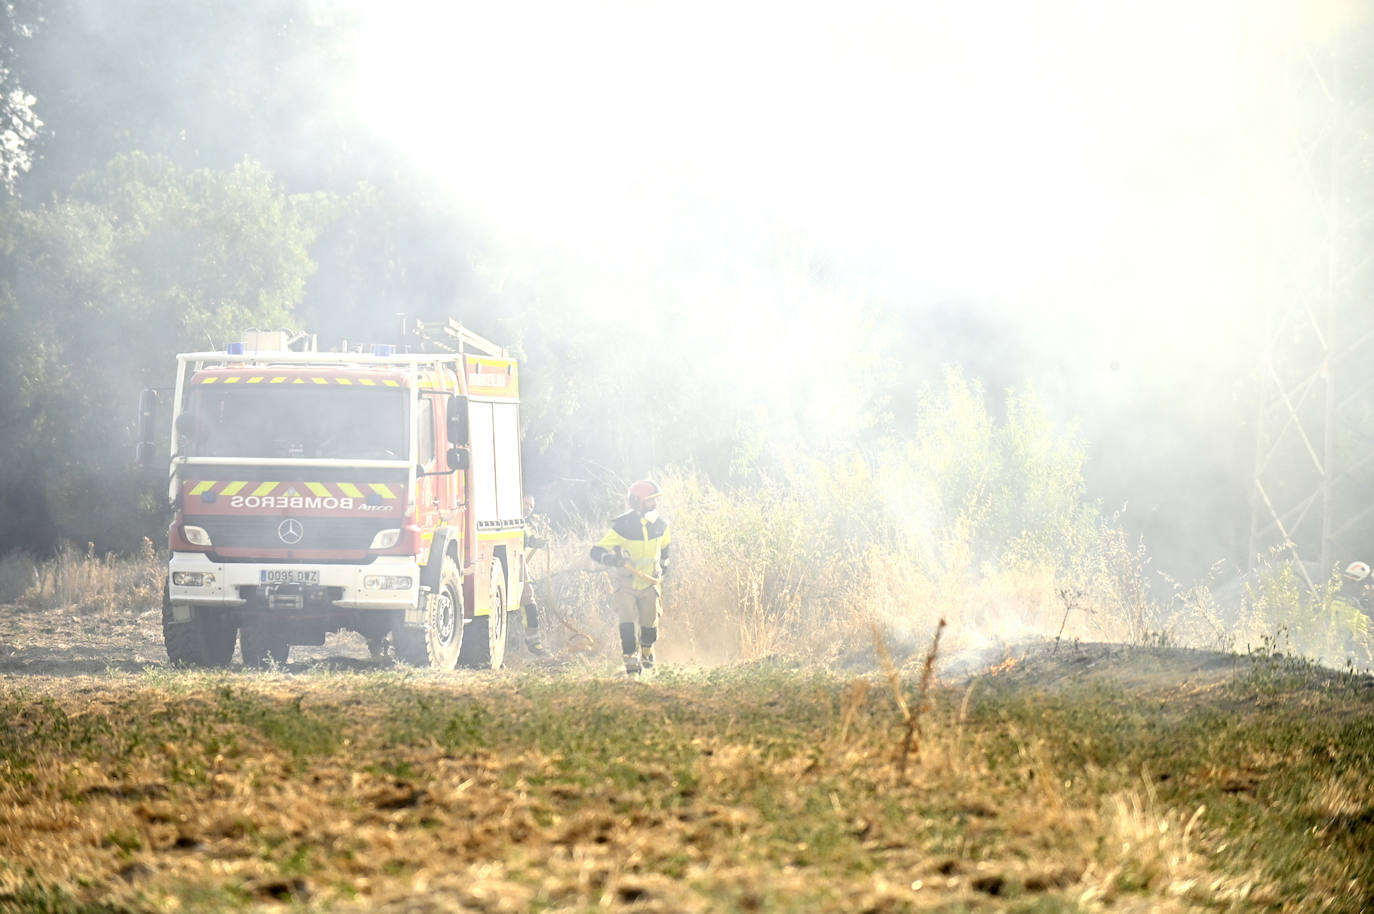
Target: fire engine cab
x=314 y=492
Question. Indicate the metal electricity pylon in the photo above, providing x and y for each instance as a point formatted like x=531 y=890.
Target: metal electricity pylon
x=1313 y=489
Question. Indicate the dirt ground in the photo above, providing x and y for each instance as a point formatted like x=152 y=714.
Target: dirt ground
x=53 y=642
x=70 y=643
x=1141 y=669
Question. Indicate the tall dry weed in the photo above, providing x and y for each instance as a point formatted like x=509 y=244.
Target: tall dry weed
x=1275 y=605
x=750 y=578
x=795 y=568
x=909 y=747
x=573 y=594
x=981 y=521
x=1112 y=574
x=1151 y=848
x=88 y=582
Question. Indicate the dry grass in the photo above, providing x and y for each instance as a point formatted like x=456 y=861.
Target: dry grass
x=743 y=789
x=766 y=785
x=82 y=580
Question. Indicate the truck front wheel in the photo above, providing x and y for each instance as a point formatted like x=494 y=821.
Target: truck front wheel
x=206 y=639
x=444 y=619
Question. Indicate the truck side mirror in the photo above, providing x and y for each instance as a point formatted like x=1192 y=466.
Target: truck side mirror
x=457 y=420
x=145 y=449
x=458 y=458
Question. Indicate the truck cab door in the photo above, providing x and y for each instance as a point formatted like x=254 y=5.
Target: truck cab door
x=430 y=488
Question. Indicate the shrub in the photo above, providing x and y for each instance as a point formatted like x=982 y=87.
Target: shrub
x=1281 y=608
x=983 y=522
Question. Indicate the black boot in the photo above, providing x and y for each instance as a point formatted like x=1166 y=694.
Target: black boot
x=647 y=636
x=629 y=646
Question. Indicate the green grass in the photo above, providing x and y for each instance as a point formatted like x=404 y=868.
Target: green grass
x=40 y=899
x=739 y=789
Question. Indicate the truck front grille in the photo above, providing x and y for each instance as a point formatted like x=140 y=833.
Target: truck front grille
x=315 y=532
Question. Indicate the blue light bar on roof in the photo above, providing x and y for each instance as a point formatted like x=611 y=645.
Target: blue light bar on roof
x=381 y=349
x=236 y=349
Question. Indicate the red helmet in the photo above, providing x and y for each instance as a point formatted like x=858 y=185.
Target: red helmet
x=642 y=491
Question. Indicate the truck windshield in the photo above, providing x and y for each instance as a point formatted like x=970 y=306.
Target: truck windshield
x=356 y=423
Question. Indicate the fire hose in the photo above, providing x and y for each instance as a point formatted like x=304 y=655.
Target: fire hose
x=578 y=636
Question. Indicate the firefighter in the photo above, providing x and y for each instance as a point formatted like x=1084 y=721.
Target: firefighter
x=1350 y=608
x=1357 y=587
x=636 y=546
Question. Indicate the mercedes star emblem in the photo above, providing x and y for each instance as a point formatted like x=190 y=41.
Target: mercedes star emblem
x=290 y=531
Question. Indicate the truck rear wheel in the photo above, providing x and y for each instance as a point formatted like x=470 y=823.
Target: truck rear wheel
x=207 y=639
x=486 y=644
x=444 y=619
x=261 y=645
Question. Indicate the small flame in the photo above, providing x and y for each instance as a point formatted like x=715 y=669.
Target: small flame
x=1004 y=666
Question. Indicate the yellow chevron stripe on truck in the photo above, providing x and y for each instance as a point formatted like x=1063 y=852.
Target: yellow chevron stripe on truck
x=280 y=379
x=318 y=489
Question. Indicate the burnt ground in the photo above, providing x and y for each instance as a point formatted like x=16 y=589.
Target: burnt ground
x=72 y=642
x=1146 y=670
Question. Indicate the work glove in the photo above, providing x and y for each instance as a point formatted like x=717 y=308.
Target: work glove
x=614 y=559
x=662 y=570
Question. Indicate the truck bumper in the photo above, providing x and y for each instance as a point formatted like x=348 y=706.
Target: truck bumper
x=223 y=583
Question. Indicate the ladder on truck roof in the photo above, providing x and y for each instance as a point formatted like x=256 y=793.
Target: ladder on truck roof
x=449 y=336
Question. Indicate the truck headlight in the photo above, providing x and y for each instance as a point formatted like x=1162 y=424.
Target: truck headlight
x=193 y=578
x=386 y=582
x=385 y=539
x=196 y=536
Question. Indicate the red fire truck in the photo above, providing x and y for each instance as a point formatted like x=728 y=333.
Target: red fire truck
x=314 y=492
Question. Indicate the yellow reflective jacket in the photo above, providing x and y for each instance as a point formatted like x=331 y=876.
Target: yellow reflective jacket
x=1347 y=617
x=646 y=543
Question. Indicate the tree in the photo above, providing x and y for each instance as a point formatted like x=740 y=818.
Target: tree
x=139 y=261
x=18 y=122
x=200 y=82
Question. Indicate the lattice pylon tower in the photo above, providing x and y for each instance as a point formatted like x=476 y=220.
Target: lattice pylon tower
x=1312 y=496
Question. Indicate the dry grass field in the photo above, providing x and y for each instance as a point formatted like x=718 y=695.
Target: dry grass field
x=1083 y=778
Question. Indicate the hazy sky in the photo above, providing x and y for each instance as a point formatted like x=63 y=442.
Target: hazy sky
x=1118 y=170
x=1113 y=183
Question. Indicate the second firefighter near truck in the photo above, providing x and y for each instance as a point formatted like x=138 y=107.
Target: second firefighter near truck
x=636 y=549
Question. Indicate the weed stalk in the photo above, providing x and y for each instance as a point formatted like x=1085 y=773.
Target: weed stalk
x=910 y=745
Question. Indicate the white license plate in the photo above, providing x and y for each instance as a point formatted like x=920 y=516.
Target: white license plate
x=288 y=576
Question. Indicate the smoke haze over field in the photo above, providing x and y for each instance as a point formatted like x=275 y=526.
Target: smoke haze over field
x=1105 y=187
x=1118 y=172
x=802 y=205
